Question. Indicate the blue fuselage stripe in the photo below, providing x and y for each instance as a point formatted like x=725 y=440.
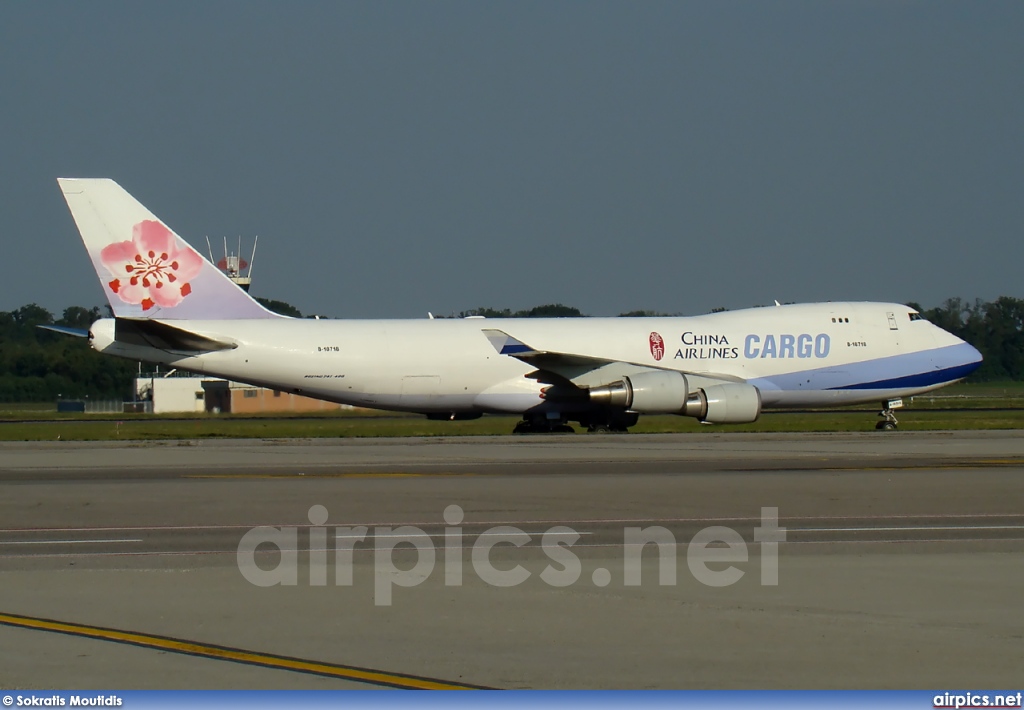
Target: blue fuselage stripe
x=922 y=379
x=924 y=368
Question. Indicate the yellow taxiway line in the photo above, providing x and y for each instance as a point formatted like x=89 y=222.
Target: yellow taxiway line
x=237 y=655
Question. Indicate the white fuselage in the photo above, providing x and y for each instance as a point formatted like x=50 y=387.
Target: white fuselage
x=797 y=356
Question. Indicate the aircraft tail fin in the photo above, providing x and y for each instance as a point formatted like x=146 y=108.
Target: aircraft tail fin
x=147 y=270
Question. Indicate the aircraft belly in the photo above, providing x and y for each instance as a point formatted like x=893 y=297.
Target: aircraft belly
x=517 y=394
x=778 y=399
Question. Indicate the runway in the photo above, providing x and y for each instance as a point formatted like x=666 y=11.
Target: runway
x=900 y=562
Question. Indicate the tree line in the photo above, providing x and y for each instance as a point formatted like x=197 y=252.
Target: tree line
x=995 y=328
x=38 y=365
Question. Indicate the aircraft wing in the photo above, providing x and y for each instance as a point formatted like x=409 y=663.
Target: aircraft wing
x=505 y=344
x=579 y=370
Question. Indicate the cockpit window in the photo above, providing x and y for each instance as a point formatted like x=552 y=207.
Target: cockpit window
x=916 y=316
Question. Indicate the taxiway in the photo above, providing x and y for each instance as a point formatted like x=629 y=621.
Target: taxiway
x=902 y=565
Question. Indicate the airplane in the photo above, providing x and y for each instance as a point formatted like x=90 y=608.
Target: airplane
x=173 y=307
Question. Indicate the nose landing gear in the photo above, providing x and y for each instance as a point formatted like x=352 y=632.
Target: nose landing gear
x=889 y=421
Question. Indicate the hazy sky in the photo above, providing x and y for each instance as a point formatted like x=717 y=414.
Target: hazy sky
x=400 y=157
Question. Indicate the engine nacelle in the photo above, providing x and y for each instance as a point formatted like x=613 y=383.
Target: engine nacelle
x=645 y=392
x=666 y=392
x=730 y=403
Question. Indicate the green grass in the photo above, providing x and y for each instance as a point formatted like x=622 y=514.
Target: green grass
x=22 y=409
x=1000 y=387
x=974 y=396
x=47 y=412
x=333 y=427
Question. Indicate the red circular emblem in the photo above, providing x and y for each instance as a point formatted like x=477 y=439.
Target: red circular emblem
x=657 y=346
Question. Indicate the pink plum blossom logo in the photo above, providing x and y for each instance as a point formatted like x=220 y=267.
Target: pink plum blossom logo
x=151 y=269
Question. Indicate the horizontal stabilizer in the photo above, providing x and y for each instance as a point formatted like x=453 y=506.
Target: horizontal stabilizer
x=154 y=334
x=64 y=330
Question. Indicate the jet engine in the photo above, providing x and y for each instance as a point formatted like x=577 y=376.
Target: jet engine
x=727 y=403
x=666 y=392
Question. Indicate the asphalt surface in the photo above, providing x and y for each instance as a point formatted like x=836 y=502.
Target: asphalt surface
x=902 y=563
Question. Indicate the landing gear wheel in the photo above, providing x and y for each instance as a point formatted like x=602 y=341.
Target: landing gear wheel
x=886 y=426
x=523 y=427
x=610 y=422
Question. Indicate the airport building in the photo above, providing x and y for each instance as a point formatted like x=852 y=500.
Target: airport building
x=176 y=392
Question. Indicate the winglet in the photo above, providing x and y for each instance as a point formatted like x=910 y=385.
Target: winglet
x=147 y=270
x=505 y=344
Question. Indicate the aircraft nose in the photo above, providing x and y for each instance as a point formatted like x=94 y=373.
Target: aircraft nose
x=972 y=354
x=969 y=357
x=955 y=354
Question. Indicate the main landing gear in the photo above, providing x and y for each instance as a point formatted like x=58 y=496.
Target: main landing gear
x=595 y=423
x=618 y=422
x=542 y=426
x=889 y=422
